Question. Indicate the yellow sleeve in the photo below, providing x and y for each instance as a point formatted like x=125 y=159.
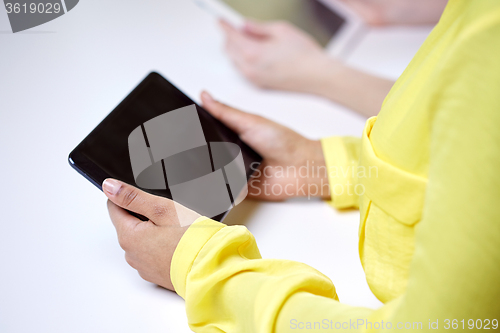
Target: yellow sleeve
x=341 y=157
x=228 y=287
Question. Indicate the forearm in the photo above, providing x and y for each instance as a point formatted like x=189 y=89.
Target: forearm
x=415 y=12
x=317 y=181
x=357 y=90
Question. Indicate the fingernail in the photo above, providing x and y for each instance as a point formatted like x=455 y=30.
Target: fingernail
x=111 y=186
x=208 y=97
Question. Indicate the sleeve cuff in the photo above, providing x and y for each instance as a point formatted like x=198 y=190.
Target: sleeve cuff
x=341 y=157
x=193 y=240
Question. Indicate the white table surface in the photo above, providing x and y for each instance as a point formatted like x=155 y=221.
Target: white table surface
x=61 y=269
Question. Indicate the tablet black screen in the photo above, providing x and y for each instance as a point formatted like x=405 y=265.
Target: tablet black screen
x=105 y=151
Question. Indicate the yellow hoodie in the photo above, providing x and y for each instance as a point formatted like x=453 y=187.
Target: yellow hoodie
x=427 y=171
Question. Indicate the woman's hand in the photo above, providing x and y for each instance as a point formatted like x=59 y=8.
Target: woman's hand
x=293 y=165
x=150 y=245
x=275 y=55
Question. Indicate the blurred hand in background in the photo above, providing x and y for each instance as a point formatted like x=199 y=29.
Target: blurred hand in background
x=277 y=55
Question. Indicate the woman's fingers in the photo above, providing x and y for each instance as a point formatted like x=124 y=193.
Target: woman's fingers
x=236 y=120
x=226 y=25
x=257 y=29
x=159 y=210
x=241 y=45
x=123 y=221
x=234 y=37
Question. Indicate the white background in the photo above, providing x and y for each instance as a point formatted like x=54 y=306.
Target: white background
x=61 y=269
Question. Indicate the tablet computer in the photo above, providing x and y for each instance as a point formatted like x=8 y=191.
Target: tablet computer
x=161 y=141
x=330 y=22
